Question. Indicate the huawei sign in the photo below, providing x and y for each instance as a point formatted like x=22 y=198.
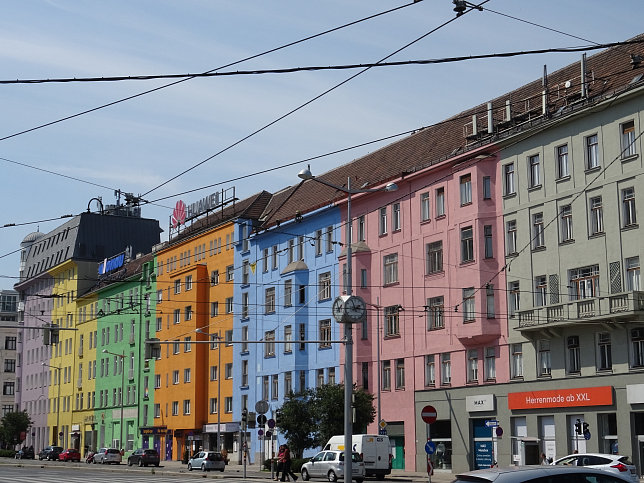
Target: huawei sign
x=179 y=214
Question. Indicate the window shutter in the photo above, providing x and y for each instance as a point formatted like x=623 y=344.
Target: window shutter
x=553 y=282
x=615 y=277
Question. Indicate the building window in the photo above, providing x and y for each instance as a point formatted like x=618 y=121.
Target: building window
x=434 y=257
x=466 y=189
x=637 y=343
x=175 y=377
x=604 y=355
x=265 y=260
x=188 y=312
x=230 y=273
x=468 y=304
x=592 y=152
x=390 y=271
x=214 y=277
x=596 y=216
x=177 y=316
x=177 y=286
x=269 y=300
x=540 y=291
x=362 y=228
x=363 y=278
x=535 y=171
x=489 y=301
x=467 y=244
x=290 y=251
x=511 y=236
x=508 y=179
x=245 y=272
x=324 y=286
x=386 y=375
x=538 y=233
x=628 y=139
x=269 y=343
x=566 y=223
x=288 y=383
x=488 y=241
x=274 y=261
x=175 y=408
x=244 y=302
x=562 y=161
x=584 y=282
x=490 y=363
x=487 y=188
x=329 y=239
x=440 y=202
x=396 y=220
x=514 y=296
x=318 y=243
x=187 y=373
x=275 y=387
x=574 y=363
x=383 y=221
x=400 y=373
x=543 y=357
x=516 y=355
x=430 y=370
x=288 y=293
x=325 y=334
x=288 y=337
x=435 y=313
x=628 y=207
x=392 y=326
x=473 y=366
x=214 y=309
x=424 y=206
x=446 y=369
x=633 y=274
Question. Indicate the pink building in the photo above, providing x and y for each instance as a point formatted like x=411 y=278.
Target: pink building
x=429 y=260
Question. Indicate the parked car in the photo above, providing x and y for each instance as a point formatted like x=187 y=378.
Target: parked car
x=144 y=457
x=25 y=454
x=70 y=454
x=206 y=461
x=330 y=465
x=541 y=474
x=610 y=462
x=108 y=456
x=50 y=453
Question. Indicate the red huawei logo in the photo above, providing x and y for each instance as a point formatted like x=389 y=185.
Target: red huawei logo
x=178 y=214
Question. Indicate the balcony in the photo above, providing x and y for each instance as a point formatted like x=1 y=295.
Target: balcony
x=624 y=305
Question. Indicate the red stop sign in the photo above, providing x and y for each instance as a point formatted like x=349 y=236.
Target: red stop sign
x=428 y=414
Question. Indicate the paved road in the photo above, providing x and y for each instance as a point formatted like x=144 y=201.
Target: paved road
x=30 y=471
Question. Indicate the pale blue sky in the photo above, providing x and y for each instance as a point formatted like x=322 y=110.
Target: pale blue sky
x=136 y=145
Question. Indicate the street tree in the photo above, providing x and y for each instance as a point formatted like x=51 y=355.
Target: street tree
x=297 y=422
x=13 y=427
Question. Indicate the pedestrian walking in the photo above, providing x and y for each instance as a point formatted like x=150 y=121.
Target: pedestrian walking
x=286 y=470
x=279 y=463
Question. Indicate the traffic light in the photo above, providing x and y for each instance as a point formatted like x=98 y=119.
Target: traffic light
x=585 y=428
x=278 y=417
x=152 y=348
x=244 y=417
x=578 y=426
x=55 y=334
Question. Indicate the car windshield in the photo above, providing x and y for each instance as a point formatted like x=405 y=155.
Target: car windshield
x=214 y=457
x=113 y=451
x=355 y=457
x=152 y=452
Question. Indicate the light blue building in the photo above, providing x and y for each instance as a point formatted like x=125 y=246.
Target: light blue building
x=288 y=279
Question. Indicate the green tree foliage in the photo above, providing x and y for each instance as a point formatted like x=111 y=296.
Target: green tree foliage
x=310 y=418
x=14 y=425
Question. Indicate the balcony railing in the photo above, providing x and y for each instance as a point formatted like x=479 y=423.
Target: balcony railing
x=621 y=305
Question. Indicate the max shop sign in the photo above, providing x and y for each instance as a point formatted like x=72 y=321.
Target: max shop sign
x=557 y=398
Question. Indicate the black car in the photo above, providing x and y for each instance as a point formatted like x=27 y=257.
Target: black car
x=144 y=457
x=50 y=453
x=26 y=454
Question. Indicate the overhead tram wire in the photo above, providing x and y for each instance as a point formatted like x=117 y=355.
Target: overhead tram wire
x=301 y=106
x=290 y=70
x=149 y=91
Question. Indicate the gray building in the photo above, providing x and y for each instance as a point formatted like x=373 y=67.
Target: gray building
x=8 y=354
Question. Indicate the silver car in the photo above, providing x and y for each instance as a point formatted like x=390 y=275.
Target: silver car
x=541 y=474
x=614 y=463
x=330 y=465
x=206 y=461
x=108 y=456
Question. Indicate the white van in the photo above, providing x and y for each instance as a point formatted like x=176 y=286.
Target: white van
x=374 y=449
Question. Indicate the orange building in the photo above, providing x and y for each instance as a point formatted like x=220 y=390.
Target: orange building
x=195 y=309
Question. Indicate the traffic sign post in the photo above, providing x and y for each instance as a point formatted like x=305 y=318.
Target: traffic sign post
x=382 y=427
x=428 y=414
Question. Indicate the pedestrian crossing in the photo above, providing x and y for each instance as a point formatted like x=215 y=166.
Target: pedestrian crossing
x=26 y=475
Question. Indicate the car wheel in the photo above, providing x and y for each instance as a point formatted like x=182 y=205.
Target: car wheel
x=332 y=476
x=305 y=474
x=203 y=467
x=189 y=467
x=359 y=480
x=141 y=463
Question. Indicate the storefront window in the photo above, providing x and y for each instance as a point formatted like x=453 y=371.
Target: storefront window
x=441 y=435
x=608 y=433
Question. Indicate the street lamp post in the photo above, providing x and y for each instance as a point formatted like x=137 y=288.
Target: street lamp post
x=217 y=337
x=57 y=401
x=306 y=174
x=122 y=356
